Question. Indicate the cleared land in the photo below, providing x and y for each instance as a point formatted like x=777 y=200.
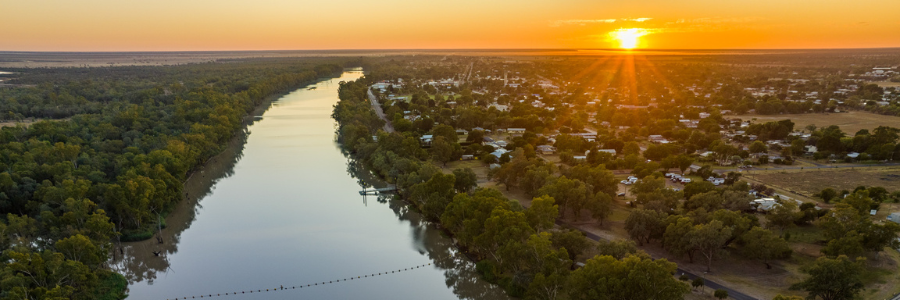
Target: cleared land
x=808 y=182
x=850 y=122
x=886 y=84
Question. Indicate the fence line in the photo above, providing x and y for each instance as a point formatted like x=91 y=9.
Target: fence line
x=282 y=287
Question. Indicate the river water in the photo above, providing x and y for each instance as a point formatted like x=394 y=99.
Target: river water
x=281 y=207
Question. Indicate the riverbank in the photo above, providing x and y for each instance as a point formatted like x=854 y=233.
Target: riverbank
x=202 y=183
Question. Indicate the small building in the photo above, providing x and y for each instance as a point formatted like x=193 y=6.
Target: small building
x=425 y=140
x=610 y=151
x=546 y=149
x=894 y=217
x=467 y=157
x=764 y=204
x=516 y=131
x=579 y=158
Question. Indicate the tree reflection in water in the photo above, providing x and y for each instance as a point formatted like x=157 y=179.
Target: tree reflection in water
x=459 y=272
x=140 y=261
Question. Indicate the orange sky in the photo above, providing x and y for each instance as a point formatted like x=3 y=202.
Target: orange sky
x=166 y=25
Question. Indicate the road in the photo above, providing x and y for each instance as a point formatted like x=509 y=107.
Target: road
x=378 y=111
x=733 y=294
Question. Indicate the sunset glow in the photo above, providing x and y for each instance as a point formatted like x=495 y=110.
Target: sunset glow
x=169 y=25
x=628 y=38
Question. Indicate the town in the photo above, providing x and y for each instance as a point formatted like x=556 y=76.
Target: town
x=706 y=161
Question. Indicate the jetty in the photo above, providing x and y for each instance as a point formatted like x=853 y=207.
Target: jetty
x=376 y=191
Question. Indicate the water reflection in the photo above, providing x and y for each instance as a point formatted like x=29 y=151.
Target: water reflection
x=280 y=207
x=141 y=261
x=459 y=272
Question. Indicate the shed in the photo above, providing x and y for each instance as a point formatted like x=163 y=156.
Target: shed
x=894 y=217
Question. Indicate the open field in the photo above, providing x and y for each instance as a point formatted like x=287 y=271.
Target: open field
x=886 y=84
x=849 y=122
x=808 y=182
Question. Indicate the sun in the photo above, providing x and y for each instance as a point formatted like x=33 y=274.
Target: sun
x=628 y=38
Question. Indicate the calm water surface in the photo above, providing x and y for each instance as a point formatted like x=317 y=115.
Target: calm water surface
x=281 y=207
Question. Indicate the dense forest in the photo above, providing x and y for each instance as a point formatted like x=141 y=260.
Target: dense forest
x=108 y=156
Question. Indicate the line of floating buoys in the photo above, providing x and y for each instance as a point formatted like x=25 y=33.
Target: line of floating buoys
x=308 y=285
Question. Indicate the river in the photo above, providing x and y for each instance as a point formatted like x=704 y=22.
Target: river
x=281 y=207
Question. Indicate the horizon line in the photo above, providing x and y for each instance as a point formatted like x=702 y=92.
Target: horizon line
x=444 y=49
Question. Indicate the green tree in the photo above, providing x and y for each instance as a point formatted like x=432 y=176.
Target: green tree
x=720 y=294
x=709 y=239
x=644 y=225
x=542 y=213
x=442 y=150
x=465 y=215
x=764 y=245
x=501 y=229
x=697 y=187
x=783 y=215
x=435 y=194
x=833 y=278
x=466 y=180
x=708 y=201
x=828 y=194
x=758 y=147
x=569 y=193
x=445 y=131
x=618 y=249
x=698 y=283
x=572 y=240
x=600 y=206
x=631 y=148
x=79 y=248
x=851 y=244
x=604 y=277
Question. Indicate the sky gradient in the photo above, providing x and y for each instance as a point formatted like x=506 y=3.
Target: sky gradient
x=196 y=25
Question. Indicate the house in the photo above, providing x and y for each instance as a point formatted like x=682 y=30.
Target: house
x=546 y=149
x=462 y=132
x=516 y=131
x=853 y=155
x=764 y=204
x=425 y=140
x=467 y=157
x=610 y=151
x=894 y=217
x=716 y=181
x=590 y=137
x=579 y=158
x=694 y=168
x=659 y=139
x=499 y=152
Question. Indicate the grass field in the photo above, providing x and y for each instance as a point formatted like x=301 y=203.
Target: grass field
x=886 y=84
x=850 y=122
x=811 y=181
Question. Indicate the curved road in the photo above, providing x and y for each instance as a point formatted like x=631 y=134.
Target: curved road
x=378 y=111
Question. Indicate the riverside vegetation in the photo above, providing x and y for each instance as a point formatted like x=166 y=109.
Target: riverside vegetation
x=114 y=162
x=516 y=248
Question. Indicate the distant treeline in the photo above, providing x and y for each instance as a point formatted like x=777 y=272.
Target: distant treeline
x=70 y=187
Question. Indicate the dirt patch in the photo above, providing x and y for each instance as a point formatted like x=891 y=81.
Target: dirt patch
x=850 y=122
x=26 y=122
